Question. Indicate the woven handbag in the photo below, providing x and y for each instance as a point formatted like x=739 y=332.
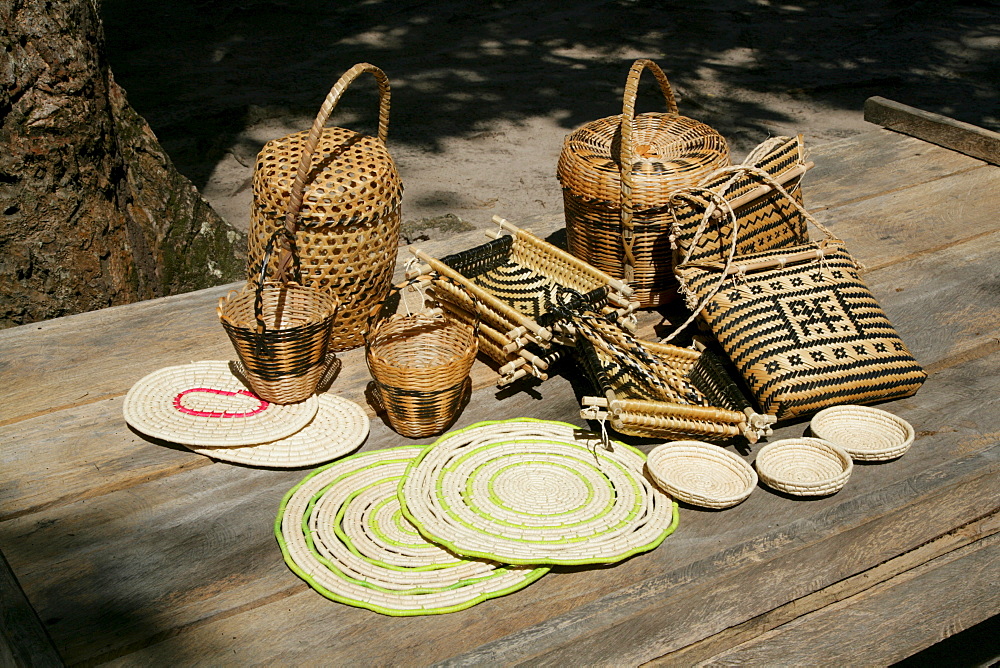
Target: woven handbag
x=617 y=174
x=345 y=191
x=420 y=359
x=800 y=324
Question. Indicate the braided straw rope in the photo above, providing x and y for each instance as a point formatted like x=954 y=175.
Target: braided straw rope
x=341 y=530
x=535 y=492
x=204 y=404
x=339 y=427
x=701 y=474
x=804 y=466
x=867 y=434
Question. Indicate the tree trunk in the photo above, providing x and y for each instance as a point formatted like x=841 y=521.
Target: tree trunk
x=92 y=211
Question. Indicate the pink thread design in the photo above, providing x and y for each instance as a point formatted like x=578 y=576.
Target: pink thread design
x=216 y=414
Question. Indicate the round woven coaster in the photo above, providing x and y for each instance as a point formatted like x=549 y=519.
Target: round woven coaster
x=340 y=426
x=868 y=434
x=701 y=474
x=203 y=403
x=341 y=530
x=535 y=492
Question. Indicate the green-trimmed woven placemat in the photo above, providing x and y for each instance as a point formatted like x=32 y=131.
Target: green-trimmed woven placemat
x=340 y=427
x=341 y=530
x=205 y=404
x=535 y=492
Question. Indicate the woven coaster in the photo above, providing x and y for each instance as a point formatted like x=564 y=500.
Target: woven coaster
x=341 y=530
x=701 y=474
x=535 y=492
x=203 y=403
x=340 y=426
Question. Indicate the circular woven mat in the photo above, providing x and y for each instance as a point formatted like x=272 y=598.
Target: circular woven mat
x=342 y=531
x=340 y=426
x=535 y=492
x=203 y=403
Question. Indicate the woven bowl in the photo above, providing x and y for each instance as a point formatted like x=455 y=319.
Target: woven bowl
x=701 y=474
x=867 y=434
x=804 y=466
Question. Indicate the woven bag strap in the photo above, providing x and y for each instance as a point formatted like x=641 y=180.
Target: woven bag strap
x=312 y=141
x=626 y=154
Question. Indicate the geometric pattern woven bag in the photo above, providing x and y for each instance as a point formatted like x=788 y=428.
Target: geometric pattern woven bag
x=802 y=327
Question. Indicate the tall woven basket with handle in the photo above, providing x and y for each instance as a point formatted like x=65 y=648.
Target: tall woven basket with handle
x=617 y=175
x=347 y=201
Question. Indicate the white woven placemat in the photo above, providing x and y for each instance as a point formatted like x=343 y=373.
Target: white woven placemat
x=340 y=427
x=535 y=492
x=342 y=531
x=203 y=403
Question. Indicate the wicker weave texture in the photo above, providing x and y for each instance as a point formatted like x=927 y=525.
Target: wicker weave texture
x=804 y=466
x=347 y=212
x=617 y=174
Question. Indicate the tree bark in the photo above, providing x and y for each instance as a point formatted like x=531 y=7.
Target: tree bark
x=92 y=211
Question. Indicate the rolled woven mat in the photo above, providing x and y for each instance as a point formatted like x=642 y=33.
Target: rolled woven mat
x=341 y=530
x=866 y=433
x=535 y=492
x=340 y=426
x=701 y=474
x=205 y=404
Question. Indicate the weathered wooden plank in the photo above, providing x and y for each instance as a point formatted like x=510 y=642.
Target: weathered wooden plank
x=875 y=163
x=890 y=621
x=934 y=128
x=23 y=641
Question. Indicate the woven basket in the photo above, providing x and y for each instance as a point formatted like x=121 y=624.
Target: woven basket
x=617 y=174
x=420 y=361
x=804 y=466
x=867 y=434
x=701 y=474
x=345 y=191
x=513 y=279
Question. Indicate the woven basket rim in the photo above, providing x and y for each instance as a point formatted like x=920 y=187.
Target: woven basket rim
x=373 y=343
x=868 y=421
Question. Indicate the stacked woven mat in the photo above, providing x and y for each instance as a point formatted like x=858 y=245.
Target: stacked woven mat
x=482 y=512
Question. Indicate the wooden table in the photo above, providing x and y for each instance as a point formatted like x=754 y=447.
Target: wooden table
x=141 y=552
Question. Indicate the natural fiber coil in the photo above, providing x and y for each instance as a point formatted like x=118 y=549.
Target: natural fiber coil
x=617 y=175
x=535 y=492
x=804 y=466
x=867 y=434
x=701 y=474
x=341 y=530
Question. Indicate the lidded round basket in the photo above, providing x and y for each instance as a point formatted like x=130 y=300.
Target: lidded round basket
x=866 y=433
x=804 y=466
x=347 y=213
x=617 y=175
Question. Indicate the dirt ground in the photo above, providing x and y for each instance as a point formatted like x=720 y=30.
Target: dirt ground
x=483 y=93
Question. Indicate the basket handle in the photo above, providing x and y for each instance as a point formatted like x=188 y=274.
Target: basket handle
x=626 y=154
x=312 y=141
x=375 y=314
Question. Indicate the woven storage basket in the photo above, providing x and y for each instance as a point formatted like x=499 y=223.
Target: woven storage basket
x=804 y=466
x=867 y=434
x=346 y=195
x=658 y=390
x=701 y=474
x=420 y=361
x=617 y=174
x=512 y=280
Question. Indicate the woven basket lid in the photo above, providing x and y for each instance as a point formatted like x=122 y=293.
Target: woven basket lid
x=342 y=531
x=352 y=179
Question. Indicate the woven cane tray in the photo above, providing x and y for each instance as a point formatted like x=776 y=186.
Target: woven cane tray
x=535 y=492
x=804 y=466
x=205 y=404
x=340 y=427
x=341 y=530
x=701 y=474
x=867 y=434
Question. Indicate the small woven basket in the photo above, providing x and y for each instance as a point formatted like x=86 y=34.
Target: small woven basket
x=420 y=361
x=701 y=474
x=867 y=434
x=617 y=175
x=804 y=466
x=345 y=196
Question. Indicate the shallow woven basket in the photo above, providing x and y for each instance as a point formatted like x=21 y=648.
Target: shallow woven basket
x=804 y=466
x=420 y=362
x=701 y=474
x=285 y=360
x=346 y=195
x=867 y=434
x=617 y=175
